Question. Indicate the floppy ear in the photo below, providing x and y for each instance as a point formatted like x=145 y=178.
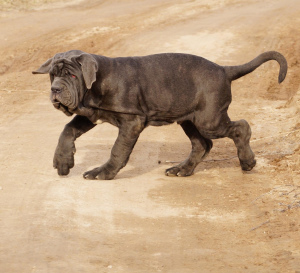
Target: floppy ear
x=89 y=68
x=45 y=68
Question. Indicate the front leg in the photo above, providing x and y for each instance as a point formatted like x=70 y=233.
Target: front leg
x=63 y=159
x=130 y=128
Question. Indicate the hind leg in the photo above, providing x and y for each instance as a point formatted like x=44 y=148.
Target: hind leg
x=240 y=133
x=200 y=148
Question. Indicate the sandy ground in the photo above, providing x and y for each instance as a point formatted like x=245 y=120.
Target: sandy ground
x=218 y=220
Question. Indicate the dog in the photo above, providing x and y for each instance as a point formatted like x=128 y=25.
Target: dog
x=135 y=92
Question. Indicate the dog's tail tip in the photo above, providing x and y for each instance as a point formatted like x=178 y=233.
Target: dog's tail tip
x=282 y=73
x=283 y=65
x=281 y=78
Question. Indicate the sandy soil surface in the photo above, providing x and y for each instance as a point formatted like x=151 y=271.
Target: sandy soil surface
x=218 y=220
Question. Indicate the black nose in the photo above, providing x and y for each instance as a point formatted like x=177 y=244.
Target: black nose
x=55 y=90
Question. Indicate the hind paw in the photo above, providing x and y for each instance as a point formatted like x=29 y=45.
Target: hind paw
x=179 y=171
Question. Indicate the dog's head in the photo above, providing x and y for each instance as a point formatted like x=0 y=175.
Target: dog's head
x=71 y=73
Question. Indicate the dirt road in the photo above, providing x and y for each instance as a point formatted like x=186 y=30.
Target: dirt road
x=218 y=220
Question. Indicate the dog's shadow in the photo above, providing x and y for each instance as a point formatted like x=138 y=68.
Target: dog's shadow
x=149 y=156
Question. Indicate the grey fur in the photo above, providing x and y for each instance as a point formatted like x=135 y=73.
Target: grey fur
x=135 y=92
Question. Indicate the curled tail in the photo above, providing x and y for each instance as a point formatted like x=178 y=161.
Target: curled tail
x=235 y=72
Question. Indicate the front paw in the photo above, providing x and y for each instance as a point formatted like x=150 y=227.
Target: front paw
x=247 y=165
x=63 y=160
x=100 y=173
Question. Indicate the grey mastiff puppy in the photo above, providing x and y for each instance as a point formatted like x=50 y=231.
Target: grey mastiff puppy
x=135 y=92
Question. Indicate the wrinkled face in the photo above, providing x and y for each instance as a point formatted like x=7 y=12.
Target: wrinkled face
x=72 y=73
x=66 y=86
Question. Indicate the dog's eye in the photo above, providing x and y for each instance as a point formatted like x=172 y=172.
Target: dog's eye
x=69 y=74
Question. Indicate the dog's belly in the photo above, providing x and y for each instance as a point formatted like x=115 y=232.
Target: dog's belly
x=157 y=121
